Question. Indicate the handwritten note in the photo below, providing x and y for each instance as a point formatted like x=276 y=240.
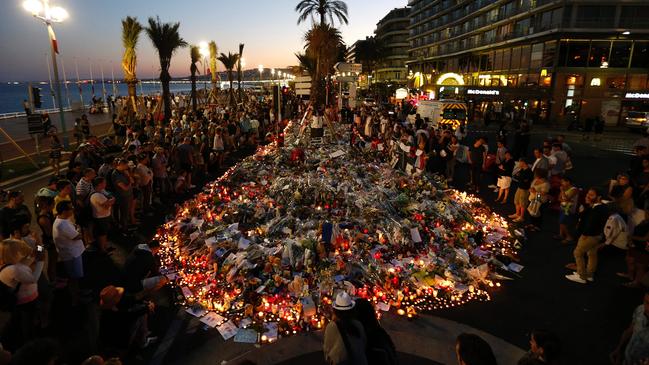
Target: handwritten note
x=227 y=330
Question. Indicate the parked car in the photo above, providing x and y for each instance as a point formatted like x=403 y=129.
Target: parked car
x=637 y=120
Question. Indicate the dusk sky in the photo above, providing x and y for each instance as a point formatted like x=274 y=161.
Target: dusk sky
x=92 y=33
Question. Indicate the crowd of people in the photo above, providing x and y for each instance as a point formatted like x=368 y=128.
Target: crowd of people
x=55 y=274
x=114 y=183
x=590 y=219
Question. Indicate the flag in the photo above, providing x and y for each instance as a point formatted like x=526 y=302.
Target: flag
x=55 y=44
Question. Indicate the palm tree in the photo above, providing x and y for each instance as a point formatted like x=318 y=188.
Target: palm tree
x=323 y=43
x=131 y=30
x=239 y=71
x=307 y=64
x=195 y=54
x=230 y=61
x=369 y=52
x=325 y=9
x=213 y=58
x=166 y=39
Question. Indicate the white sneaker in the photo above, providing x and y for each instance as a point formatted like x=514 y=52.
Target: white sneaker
x=590 y=279
x=492 y=186
x=576 y=278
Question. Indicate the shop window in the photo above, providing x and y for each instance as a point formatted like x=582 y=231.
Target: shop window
x=489 y=36
x=616 y=82
x=505 y=31
x=546 y=81
x=595 y=16
x=577 y=54
x=525 y=56
x=536 y=56
x=620 y=53
x=640 y=54
x=637 y=81
x=599 y=51
x=507 y=55
x=532 y=79
x=492 y=15
x=549 y=52
x=516 y=58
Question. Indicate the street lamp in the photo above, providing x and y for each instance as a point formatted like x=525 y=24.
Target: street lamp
x=272 y=72
x=42 y=11
x=261 y=71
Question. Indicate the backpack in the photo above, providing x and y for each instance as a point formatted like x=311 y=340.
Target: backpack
x=615 y=232
x=7 y=295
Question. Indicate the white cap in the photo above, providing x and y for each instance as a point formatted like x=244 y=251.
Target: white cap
x=343 y=302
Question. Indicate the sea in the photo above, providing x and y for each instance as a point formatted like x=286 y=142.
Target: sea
x=12 y=94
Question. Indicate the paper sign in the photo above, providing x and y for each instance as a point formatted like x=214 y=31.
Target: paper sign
x=245 y=335
x=414 y=234
x=515 y=267
x=245 y=322
x=233 y=227
x=271 y=331
x=196 y=311
x=337 y=154
x=243 y=243
x=186 y=292
x=212 y=319
x=209 y=242
x=227 y=330
x=194 y=235
x=383 y=306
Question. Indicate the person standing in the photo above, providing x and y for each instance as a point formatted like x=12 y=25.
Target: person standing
x=69 y=244
x=505 y=169
x=521 y=198
x=27 y=107
x=477 y=155
x=451 y=151
x=102 y=210
x=380 y=348
x=185 y=153
x=123 y=185
x=473 y=350
x=539 y=190
x=633 y=347
x=540 y=162
x=592 y=227
x=16 y=258
x=568 y=201
x=545 y=348
x=144 y=178
x=85 y=127
x=15 y=208
x=344 y=339
x=55 y=154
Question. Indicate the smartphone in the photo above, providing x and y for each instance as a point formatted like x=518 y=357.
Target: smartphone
x=39 y=248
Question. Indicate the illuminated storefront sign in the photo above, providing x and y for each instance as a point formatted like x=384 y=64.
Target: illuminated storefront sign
x=644 y=95
x=482 y=92
x=459 y=80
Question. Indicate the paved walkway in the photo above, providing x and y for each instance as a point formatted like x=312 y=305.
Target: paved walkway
x=427 y=340
x=17 y=129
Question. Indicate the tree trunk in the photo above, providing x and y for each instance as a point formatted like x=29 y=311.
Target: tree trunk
x=194 y=99
x=323 y=18
x=231 y=78
x=165 y=78
x=131 y=105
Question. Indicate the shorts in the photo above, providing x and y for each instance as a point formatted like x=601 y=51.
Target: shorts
x=521 y=198
x=565 y=218
x=73 y=268
x=101 y=226
x=504 y=182
x=187 y=167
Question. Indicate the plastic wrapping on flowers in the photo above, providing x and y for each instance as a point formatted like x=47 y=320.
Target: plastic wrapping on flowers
x=275 y=238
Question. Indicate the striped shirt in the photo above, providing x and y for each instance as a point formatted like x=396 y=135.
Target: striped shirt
x=84 y=188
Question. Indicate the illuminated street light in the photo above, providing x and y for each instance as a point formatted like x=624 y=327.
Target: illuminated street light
x=261 y=71
x=42 y=11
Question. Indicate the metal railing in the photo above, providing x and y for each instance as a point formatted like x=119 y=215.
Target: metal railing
x=23 y=114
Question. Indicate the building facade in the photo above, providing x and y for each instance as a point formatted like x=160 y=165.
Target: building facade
x=392 y=31
x=549 y=60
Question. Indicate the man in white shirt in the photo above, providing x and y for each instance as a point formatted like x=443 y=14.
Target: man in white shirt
x=67 y=240
x=102 y=210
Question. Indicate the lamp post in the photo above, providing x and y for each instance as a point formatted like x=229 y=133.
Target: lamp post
x=42 y=11
x=261 y=71
x=272 y=72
